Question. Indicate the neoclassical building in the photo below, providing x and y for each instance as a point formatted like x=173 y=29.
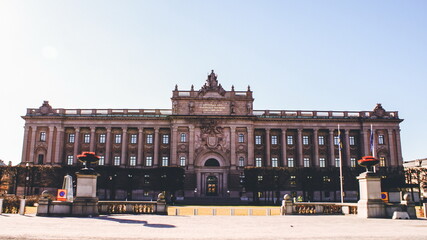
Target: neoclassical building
x=213 y=134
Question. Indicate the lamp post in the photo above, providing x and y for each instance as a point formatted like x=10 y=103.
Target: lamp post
x=27 y=178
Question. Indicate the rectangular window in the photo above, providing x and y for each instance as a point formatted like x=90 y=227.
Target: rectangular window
x=351 y=140
x=241 y=162
x=293 y=180
x=274 y=140
x=70 y=159
x=321 y=140
x=86 y=138
x=165 y=161
x=306 y=162
x=133 y=138
x=337 y=162
x=305 y=140
x=102 y=138
x=149 y=138
x=274 y=162
x=117 y=138
x=290 y=140
x=258 y=140
x=258 y=162
x=382 y=161
x=116 y=161
x=381 y=139
x=352 y=162
x=182 y=161
x=149 y=161
x=132 y=161
x=43 y=136
x=260 y=178
x=241 y=138
x=336 y=140
x=40 y=159
x=165 y=139
x=322 y=162
x=183 y=137
x=71 y=137
x=291 y=162
x=101 y=160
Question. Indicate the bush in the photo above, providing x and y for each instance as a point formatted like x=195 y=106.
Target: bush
x=11 y=204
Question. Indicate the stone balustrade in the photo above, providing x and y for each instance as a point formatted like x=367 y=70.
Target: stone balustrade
x=318 y=208
x=131 y=207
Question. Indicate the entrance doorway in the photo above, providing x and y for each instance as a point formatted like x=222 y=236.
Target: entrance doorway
x=212 y=186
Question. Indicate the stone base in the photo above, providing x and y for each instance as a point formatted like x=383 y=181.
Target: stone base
x=371 y=209
x=85 y=207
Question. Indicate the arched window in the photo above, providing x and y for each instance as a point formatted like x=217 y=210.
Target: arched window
x=212 y=162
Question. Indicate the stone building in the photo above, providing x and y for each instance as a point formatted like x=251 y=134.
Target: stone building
x=213 y=134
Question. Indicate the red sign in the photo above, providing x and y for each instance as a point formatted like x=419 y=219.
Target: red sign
x=62 y=195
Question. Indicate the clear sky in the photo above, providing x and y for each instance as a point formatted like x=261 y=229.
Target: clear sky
x=305 y=55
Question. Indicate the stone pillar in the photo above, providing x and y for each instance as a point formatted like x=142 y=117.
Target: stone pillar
x=347 y=148
x=76 y=144
x=156 y=147
x=233 y=146
x=284 y=145
x=123 y=159
x=49 y=159
x=92 y=139
x=174 y=146
x=86 y=203
x=191 y=148
x=108 y=147
x=140 y=159
x=25 y=144
x=267 y=148
x=299 y=148
x=251 y=146
x=1 y=206
x=362 y=142
x=287 y=205
x=399 y=148
x=392 y=148
x=331 y=148
x=370 y=204
x=316 y=147
x=58 y=144
x=33 y=143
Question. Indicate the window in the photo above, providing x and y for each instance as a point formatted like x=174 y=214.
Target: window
x=351 y=140
x=321 y=140
x=326 y=179
x=293 y=180
x=182 y=161
x=322 y=162
x=132 y=161
x=133 y=138
x=306 y=162
x=117 y=138
x=71 y=137
x=86 y=138
x=101 y=138
x=147 y=180
x=183 y=137
x=274 y=140
x=305 y=140
x=291 y=162
x=101 y=160
x=337 y=162
x=149 y=161
x=165 y=161
x=116 y=161
x=241 y=162
x=241 y=138
x=165 y=139
x=382 y=161
x=258 y=162
x=149 y=138
x=336 y=140
x=258 y=140
x=43 y=136
x=40 y=159
x=290 y=140
x=381 y=139
x=260 y=178
x=274 y=162
x=352 y=162
x=70 y=159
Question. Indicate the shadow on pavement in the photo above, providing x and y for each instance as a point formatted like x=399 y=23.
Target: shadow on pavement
x=130 y=221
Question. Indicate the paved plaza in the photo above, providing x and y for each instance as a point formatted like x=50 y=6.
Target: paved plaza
x=14 y=226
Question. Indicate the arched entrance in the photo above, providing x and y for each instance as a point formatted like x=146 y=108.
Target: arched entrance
x=211 y=186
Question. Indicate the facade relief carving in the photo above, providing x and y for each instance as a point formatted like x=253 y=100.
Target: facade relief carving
x=211 y=136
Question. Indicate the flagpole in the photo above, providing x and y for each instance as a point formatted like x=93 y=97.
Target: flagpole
x=373 y=145
x=340 y=157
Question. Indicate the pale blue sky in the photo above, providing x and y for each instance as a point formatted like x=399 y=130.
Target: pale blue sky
x=307 y=55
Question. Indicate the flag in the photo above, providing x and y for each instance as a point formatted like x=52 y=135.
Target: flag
x=339 y=139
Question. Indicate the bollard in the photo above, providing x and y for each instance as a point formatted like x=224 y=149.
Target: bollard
x=22 y=207
x=1 y=206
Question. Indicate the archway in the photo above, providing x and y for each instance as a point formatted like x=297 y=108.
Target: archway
x=212 y=162
x=211 y=186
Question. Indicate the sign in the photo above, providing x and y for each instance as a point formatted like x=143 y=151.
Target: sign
x=384 y=196
x=62 y=195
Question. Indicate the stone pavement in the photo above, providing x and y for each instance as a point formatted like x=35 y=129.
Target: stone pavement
x=14 y=226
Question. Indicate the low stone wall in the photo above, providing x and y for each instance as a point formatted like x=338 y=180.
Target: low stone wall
x=319 y=208
x=131 y=207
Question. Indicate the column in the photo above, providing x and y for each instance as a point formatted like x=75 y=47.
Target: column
x=140 y=159
x=399 y=148
x=108 y=147
x=267 y=148
x=191 y=147
x=92 y=139
x=362 y=142
x=299 y=148
x=49 y=159
x=251 y=146
x=156 y=147
x=284 y=161
x=331 y=148
x=392 y=148
x=76 y=144
x=316 y=147
x=33 y=143
x=58 y=144
x=25 y=144
x=123 y=159
x=233 y=146
x=347 y=148
x=174 y=146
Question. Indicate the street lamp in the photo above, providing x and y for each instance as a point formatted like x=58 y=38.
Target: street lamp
x=27 y=178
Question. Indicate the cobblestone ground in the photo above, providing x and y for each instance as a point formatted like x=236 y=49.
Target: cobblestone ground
x=13 y=226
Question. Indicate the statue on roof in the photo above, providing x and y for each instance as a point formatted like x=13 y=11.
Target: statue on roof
x=212 y=85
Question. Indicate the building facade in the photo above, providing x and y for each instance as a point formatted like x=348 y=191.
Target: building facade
x=213 y=134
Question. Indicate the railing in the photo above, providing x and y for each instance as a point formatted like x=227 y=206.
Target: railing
x=320 y=114
x=103 y=112
x=130 y=207
x=319 y=208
